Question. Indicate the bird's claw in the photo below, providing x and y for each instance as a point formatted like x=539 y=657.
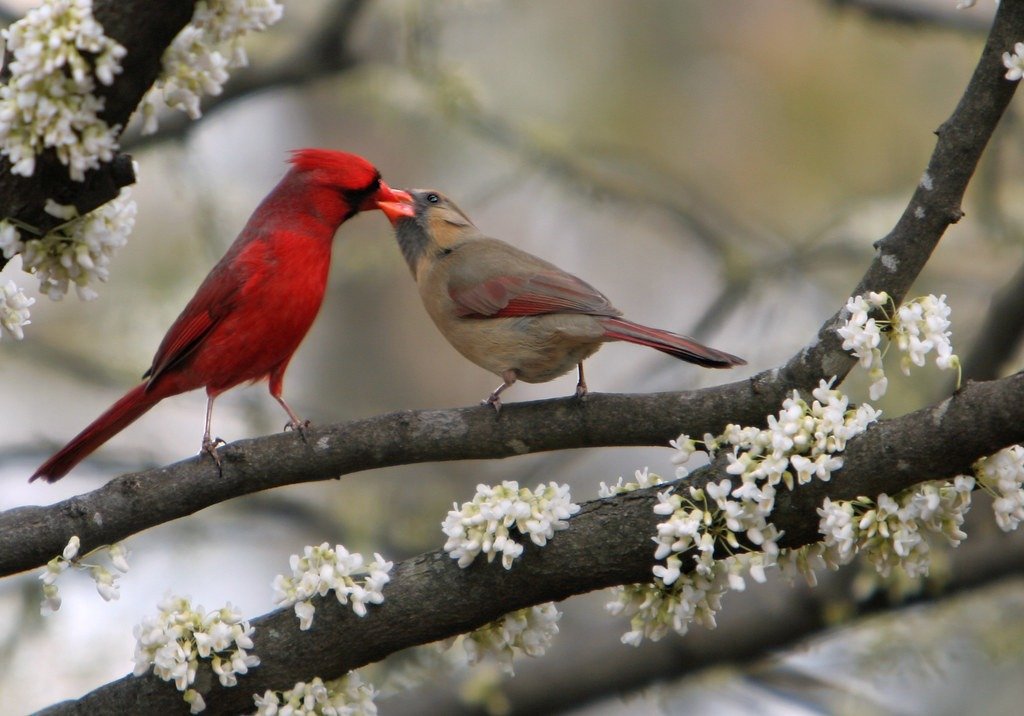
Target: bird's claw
x=493 y=400
x=299 y=427
x=581 y=390
x=210 y=448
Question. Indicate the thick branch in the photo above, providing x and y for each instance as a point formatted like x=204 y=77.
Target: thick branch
x=430 y=598
x=145 y=29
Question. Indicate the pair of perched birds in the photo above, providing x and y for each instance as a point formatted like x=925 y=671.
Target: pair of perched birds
x=508 y=311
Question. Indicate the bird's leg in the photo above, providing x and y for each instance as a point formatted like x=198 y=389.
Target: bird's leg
x=508 y=378
x=581 y=385
x=276 y=389
x=294 y=421
x=210 y=445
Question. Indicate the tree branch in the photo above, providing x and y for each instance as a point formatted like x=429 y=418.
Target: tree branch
x=431 y=598
x=145 y=29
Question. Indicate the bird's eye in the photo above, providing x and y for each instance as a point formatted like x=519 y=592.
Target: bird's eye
x=433 y=198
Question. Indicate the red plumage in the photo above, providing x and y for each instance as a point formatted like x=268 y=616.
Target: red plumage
x=256 y=305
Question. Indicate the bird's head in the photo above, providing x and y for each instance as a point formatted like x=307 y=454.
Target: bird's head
x=355 y=179
x=427 y=224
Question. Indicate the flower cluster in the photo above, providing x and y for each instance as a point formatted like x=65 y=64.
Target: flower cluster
x=198 y=60
x=320 y=570
x=176 y=639
x=895 y=531
x=527 y=631
x=59 y=52
x=917 y=328
x=801 y=443
x=76 y=252
x=14 y=313
x=643 y=479
x=348 y=696
x=106 y=581
x=1014 y=62
x=653 y=609
x=1002 y=476
x=486 y=524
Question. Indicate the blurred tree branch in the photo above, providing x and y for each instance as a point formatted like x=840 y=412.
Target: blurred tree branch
x=431 y=598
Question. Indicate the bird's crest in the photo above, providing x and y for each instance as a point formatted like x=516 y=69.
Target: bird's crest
x=340 y=169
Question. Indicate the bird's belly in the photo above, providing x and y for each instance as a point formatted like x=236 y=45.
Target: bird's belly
x=538 y=348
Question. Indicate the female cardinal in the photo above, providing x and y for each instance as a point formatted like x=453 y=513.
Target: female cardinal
x=256 y=305
x=508 y=311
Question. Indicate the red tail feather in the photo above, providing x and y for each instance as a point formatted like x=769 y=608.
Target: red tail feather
x=119 y=416
x=677 y=346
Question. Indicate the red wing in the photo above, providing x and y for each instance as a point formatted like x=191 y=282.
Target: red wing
x=541 y=293
x=213 y=300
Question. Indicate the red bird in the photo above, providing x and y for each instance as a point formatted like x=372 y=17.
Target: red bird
x=255 y=306
x=510 y=312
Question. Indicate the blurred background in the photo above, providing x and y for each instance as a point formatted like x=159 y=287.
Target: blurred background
x=719 y=169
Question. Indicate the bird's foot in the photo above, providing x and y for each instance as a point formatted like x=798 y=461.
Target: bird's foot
x=494 y=400
x=299 y=426
x=581 y=390
x=210 y=448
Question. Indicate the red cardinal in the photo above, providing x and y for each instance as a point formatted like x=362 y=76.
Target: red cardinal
x=256 y=305
x=508 y=311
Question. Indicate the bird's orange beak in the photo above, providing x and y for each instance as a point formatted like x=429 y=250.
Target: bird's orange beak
x=395 y=203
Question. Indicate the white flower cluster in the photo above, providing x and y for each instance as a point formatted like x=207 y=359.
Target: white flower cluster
x=176 y=639
x=59 y=52
x=198 y=60
x=527 y=631
x=1014 y=62
x=106 y=581
x=486 y=524
x=917 y=328
x=643 y=479
x=14 y=313
x=1002 y=476
x=320 y=570
x=654 y=610
x=348 y=696
x=801 y=443
x=77 y=251
x=895 y=531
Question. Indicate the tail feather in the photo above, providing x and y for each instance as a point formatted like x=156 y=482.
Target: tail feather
x=119 y=416
x=677 y=346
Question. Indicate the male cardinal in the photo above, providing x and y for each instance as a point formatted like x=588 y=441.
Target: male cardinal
x=508 y=311
x=253 y=309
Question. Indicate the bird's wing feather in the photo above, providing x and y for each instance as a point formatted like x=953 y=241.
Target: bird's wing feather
x=542 y=292
x=214 y=299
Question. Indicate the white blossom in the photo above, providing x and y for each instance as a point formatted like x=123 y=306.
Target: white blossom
x=916 y=328
x=490 y=523
x=643 y=479
x=198 y=60
x=1002 y=476
x=14 y=313
x=106 y=581
x=1014 y=62
x=79 y=251
x=321 y=570
x=59 y=51
x=347 y=696
x=180 y=635
x=528 y=631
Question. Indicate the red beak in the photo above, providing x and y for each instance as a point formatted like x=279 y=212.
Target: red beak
x=395 y=203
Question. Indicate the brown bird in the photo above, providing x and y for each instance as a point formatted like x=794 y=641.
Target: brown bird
x=508 y=311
